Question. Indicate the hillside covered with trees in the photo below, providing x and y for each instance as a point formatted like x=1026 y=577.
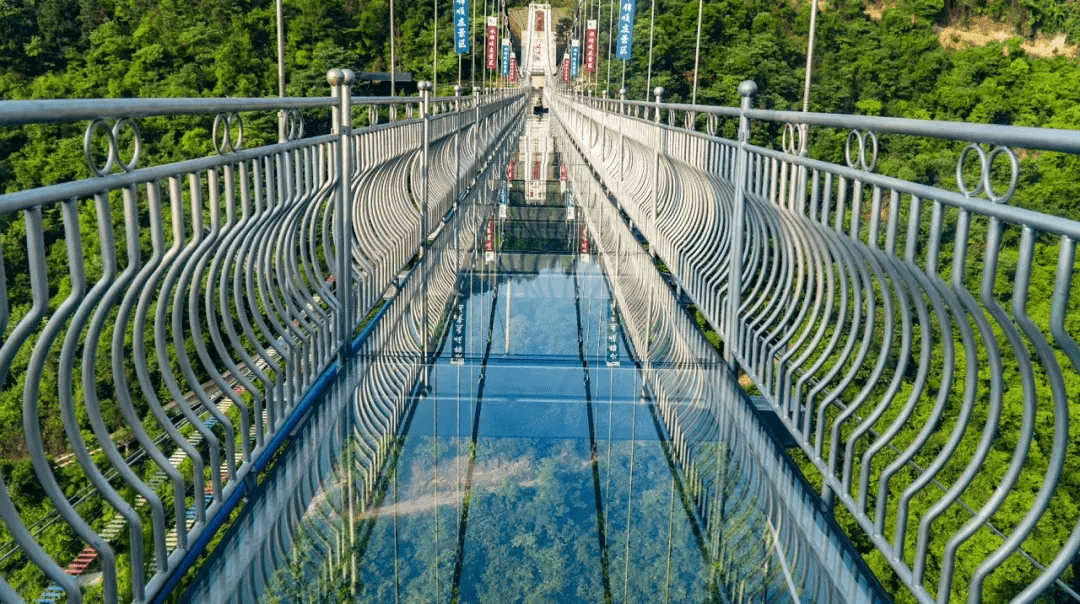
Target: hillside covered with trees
x=894 y=66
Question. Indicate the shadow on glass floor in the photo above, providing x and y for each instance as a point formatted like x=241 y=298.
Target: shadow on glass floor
x=539 y=455
x=533 y=467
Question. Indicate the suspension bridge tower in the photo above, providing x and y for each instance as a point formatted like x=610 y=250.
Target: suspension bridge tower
x=539 y=45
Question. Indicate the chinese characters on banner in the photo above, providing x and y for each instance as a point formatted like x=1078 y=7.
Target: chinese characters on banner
x=575 y=58
x=510 y=170
x=489 y=242
x=584 y=241
x=458 y=351
x=590 y=46
x=625 y=38
x=566 y=67
x=492 y=43
x=462 y=27
x=513 y=67
x=613 y=335
x=539 y=20
x=506 y=57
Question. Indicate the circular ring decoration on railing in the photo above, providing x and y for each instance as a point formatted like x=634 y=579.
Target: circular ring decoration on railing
x=793 y=139
x=393 y=113
x=373 y=115
x=137 y=134
x=861 y=162
x=670 y=117
x=112 y=134
x=689 y=119
x=986 y=163
x=711 y=123
x=223 y=123
x=408 y=111
x=294 y=124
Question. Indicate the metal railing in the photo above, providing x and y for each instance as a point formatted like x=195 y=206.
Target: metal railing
x=333 y=468
x=737 y=478
x=918 y=342
x=135 y=291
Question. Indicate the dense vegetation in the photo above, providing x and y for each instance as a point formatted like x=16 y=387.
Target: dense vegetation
x=146 y=48
x=532 y=530
x=1028 y=16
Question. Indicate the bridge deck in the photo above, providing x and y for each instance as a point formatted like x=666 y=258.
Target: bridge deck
x=535 y=461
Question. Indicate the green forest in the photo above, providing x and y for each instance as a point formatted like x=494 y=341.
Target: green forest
x=894 y=66
x=889 y=66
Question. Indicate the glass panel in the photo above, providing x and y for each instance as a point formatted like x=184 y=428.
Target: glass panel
x=533 y=466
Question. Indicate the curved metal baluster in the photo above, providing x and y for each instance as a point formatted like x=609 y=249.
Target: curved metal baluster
x=12 y=345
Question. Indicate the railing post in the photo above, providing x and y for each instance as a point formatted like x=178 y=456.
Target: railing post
x=603 y=124
x=657 y=142
x=341 y=117
x=425 y=114
x=459 y=119
x=476 y=134
x=746 y=91
x=622 y=107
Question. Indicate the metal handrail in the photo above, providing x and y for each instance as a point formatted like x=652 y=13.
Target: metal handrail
x=846 y=314
x=1025 y=137
x=265 y=258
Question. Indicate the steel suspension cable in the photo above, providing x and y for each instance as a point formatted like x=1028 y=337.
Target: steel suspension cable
x=593 y=456
x=484 y=79
x=697 y=52
x=435 y=457
x=435 y=52
x=596 y=47
x=809 y=56
x=505 y=16
x=648 y=77
x=472 y=49
x=397 y=576
x=610 y=37
x=630 y=494
x=671 y=530
x=393 y=58
x=463 y=519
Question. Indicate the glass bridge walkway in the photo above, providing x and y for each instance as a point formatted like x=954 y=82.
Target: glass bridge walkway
x=451 y=349
x=532 y=463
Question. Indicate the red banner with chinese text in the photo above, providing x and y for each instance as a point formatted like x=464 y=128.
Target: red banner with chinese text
x=492 y=46
x=590 y=47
